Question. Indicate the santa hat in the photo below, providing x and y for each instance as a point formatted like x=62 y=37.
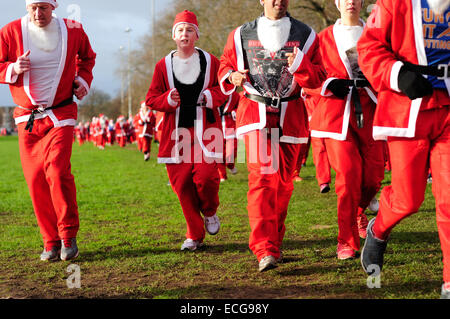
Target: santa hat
x=186 y=17
x=52 y=2
x=337 y=3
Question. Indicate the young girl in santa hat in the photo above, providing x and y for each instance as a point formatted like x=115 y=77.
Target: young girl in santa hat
x=186 y=89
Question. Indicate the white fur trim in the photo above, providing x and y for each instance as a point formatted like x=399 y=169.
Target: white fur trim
x=325 y=87
x=209 y=99
x=294 y=140
x=297 y=61
x=52 y=2
x=83 y=82
x=169 y=99
x=395 y=71
x=9 y=77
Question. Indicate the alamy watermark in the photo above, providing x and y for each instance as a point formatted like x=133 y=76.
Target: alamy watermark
x=374 y=279
x=74 y=279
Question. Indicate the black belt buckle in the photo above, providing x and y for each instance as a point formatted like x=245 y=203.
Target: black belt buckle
x=443 y=67
x=277 y=101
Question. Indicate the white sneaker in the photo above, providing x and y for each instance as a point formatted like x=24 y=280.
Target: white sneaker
x=191 y=244
x=267 y=263
x=234 y=171
x=212 y=224
x=374 y=205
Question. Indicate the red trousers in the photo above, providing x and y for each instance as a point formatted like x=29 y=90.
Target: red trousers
x=302 y=157
x=229 y=157
x=45 y=155
x=146 y=144
x=321 y=162
x=359 y=166
x=410 y=162
x=270 y=168
x=196 y=183
x=122 y=141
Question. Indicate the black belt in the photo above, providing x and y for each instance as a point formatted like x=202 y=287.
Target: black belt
x=274 y=102
x=357 y=84
x=440 y=71
x=30 y=123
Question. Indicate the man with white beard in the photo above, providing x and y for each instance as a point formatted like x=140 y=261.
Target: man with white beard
x=46 y=60
x=256 y=58
x=404 y=53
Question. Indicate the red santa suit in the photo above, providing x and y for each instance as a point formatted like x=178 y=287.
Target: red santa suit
x=121 y=131
x=46 y=150
x=353 y=154
x=417 y=130
x=270 y=187
x=102 y=131
x=80 y=133
x=228 y=116
x=145 y=126
x=190 y=152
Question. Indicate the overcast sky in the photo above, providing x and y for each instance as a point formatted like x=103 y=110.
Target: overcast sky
x=104 y=22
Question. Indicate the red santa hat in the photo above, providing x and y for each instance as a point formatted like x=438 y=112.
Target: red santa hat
x=52 y=2
x=186 y=17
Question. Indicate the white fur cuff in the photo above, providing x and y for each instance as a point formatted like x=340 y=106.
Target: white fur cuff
x=297 y=62
x=9 y=77
x=394 y=75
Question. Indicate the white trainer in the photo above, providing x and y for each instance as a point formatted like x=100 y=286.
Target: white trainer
x=212 y=224
x=191 y=244
x=374 y=205
x=267 y=263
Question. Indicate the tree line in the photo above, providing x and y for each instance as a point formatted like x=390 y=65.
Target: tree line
x=216 y=20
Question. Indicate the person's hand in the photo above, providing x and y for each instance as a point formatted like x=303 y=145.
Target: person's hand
x=339 y=88
x=291 y=56
x=238 y=78
x=22 y=64
x=413 y=84
x=175 y=96
x=79 y=90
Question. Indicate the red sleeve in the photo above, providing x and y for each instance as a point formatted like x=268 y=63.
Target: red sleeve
x=376 y=58
x=214 y=95
x=85 y=60
x=228 y=61
x=307 y=68
x=5 y=59
x=158 y=94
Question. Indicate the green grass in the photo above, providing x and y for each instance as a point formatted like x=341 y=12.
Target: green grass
x=132 y=228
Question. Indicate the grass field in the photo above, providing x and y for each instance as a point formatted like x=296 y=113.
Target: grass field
x=132 y=229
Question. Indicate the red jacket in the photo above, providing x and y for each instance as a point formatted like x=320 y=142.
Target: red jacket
x=145 y=123
x=394 y=35
x=331 y=116
x=77 y=61
x=158 y=98
x=252 y=115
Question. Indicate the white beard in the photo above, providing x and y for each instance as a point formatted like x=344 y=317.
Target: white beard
x=187 y=70
x=46 y=38
x=438 y=6
x=273 y=34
